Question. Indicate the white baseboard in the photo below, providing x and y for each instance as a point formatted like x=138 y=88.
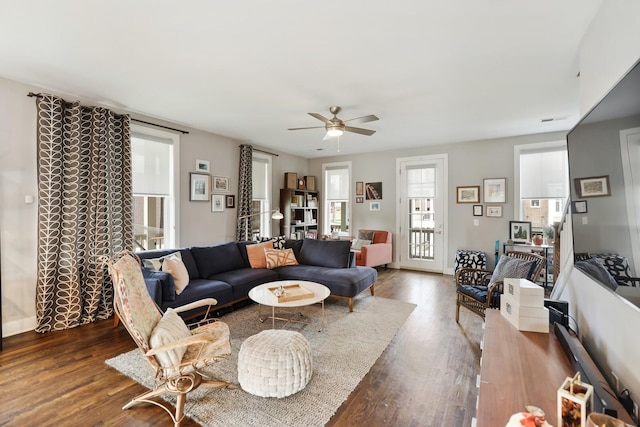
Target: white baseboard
x=16 y=327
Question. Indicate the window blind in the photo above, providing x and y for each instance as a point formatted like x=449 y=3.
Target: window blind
x=544 y=174
x=151 y=166
x=337 y=184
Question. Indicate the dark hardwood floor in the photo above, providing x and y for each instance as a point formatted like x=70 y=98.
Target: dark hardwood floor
x=425 y=377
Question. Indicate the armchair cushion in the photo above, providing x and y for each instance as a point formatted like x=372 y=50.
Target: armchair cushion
x=366 y=235
x=359 y=243
x=166 y=282
x=170 y=328
x=512 y=268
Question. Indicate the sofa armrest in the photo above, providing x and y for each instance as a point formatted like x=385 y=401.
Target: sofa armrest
x=154 y=287
x=167 y=290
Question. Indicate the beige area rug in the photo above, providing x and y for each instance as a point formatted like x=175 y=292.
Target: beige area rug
x=343 y=353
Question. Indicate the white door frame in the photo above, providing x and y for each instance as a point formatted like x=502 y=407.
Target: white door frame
x=629 y=142
x=443 y=197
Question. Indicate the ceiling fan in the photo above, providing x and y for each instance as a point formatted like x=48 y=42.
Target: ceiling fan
x=336 y=127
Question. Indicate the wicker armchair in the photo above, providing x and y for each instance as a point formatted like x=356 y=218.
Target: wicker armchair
x=477 y=292
x=175 y=352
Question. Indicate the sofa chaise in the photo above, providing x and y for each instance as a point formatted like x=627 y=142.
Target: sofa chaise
x=225 y=271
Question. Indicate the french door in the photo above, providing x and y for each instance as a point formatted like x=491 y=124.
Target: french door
x=422 y=209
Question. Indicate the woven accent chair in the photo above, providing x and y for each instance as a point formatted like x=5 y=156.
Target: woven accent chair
x=175 y=352
x=476 y=292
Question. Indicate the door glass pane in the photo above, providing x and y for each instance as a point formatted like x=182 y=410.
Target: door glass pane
x=421 y=192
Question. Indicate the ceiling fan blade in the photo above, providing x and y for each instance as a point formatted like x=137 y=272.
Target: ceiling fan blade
x=312 y=127
x=363 y=119
x=320 y=117
x=361 y=131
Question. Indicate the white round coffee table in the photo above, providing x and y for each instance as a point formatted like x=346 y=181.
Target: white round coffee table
x=264 y=295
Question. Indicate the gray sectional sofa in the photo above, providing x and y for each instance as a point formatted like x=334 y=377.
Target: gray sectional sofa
x=224 y=272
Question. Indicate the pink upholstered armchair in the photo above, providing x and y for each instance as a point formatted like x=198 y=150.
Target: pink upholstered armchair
x=378 y=252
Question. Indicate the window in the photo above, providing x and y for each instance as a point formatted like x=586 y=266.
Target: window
x=336 y=207
x=543 y=187
x=155 y=190
x=261 y=196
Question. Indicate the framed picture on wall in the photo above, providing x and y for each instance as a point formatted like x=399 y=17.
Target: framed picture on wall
x=203 y=166
x=477 y=210
x=494 y=211
x=495 y=190
x=373 y=190
x=468 y=194
x=230 y=201
x=217 y=203
x=199 y=187
x=595 y=186
x=359 y=188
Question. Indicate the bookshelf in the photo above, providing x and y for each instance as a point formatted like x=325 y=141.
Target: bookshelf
x=300 y=210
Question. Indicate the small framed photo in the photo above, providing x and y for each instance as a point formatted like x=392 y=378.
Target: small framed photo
x=595 y=186
x=579 y=206
x=468 y=194
x=374 y=206
x=495 y=190
x=359 y=188
x=494 y=211
x=221 y=184
x=217 y=203
x=520 y=231
x=230 y=201
x=203 y=166
x=477 y=210
x=199 y=187
x=360 y=199
x=373 y=190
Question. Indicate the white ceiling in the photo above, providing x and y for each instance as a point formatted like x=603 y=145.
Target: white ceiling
x=433 y=71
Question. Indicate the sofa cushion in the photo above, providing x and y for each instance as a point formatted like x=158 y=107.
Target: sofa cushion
x=185 y=254
x=217 y=259
x=156 y=263
x=278 y=242
x=243 y=280
x=346 y=282
x=512 y=268
x=294 y=244
x=325 y=253
x=199 y=289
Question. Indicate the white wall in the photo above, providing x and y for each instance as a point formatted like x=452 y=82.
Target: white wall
x=18 y=178
x=469 y=163
x=607 y=324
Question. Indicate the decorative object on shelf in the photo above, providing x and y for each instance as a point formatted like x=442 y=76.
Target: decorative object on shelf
x=374 y=206
x=203 y=166
x=199 y=187
x=494 y=211
x=477 y=210
x=290 y=180
x=217 y=203
x=275 y=214
x=230 y=201
x=595 y=186
x=549 y=234
x=310 y=183
x=301 y=184
x=495 y=190
x=537 y=239
x=359 y=188
x=520 y=231
x=534 y=417
x=579 y=206
x=575 y=402
x=468 y=194
x=221 y=184
x=373 y=190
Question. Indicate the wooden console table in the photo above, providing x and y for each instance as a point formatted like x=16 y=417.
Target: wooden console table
x=518 y=369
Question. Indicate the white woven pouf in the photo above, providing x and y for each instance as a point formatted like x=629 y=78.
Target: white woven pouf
x=274 y=363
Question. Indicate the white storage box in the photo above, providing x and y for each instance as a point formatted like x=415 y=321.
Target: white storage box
x=524 y=318
x=524 y=292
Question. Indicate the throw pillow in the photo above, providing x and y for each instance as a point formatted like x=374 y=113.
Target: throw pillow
x=279 y=257
x=170 y=328
x=278 y=242
x=366 y=235
x=512 y=268
x=255 y=253
x=596 y=269
x=174 y=266
x=360 y=243
x=156 y=263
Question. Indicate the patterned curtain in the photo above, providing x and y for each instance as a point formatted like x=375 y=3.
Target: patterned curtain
x=84 y=210
x=245 y=192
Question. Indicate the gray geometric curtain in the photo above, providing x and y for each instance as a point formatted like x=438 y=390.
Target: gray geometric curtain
x=84 y=209
x=245 y=191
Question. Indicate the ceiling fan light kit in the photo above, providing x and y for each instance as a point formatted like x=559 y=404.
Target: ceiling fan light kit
x=336 y=127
